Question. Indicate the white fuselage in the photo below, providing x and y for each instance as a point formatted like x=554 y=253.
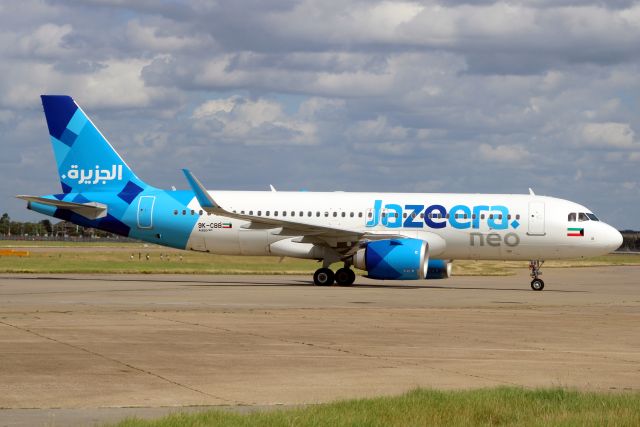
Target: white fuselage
x=479 y=226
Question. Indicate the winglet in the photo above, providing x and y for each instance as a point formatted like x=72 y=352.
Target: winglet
x=201 y=193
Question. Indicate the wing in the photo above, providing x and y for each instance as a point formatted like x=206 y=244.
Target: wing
x=343 y=240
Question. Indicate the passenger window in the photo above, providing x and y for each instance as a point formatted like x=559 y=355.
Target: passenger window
x=259 y=213
x=175 y=212
x=275 y=213
x=250 y=212
x=360 y=214
x=200 y=212
x=351 y=214
x=335 y=214
x=326 y=214
x=241 y=212
x=518 y=216
x=583 y=217
x=267 y=213
x=344 y=214
x=369 y=215
x=473 y=216
x=193 y=212
x=572 y=217
x=301 y=213
x=293 y=213
x=317 y=213
x=309 y=213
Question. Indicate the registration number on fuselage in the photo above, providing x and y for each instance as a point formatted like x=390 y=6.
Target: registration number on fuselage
x=210 y=226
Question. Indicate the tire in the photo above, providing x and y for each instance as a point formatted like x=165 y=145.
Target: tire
x=537 y=284
x=323 y=277
x=345 y=277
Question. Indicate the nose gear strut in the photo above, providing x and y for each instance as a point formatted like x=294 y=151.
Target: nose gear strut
x=534 y=265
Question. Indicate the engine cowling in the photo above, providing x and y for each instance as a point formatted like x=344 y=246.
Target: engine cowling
x=439 y=269
x=394 y=259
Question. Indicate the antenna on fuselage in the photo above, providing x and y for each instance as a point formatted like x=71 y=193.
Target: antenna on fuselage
x=272 y=188
x=531 y=193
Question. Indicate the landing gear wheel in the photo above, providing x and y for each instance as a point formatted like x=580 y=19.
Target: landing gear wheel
x=537 y=284
x=534 y=265
x=345 y=277
x=323 y=277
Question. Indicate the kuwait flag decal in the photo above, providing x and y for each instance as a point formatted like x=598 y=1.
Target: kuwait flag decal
x=575 y=232
x=226 y=225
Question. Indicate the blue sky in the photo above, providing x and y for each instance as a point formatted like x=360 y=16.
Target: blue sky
x=433 y=96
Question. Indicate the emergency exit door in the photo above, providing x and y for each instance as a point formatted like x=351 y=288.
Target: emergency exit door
x=145 y=211
x=536 y=219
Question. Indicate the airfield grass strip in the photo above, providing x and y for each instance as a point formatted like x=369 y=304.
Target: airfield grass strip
x=138 y=258
x=484 y=407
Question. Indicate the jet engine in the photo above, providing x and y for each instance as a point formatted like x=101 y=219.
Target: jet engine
x=400 y=259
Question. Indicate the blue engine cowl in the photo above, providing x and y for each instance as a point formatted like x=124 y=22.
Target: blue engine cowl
x=394 y=259
x=438 y=269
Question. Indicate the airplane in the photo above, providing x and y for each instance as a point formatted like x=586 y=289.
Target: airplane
x=391 y=236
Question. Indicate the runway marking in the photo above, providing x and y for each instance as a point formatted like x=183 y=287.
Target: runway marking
x=340 y=350
x=128 y=365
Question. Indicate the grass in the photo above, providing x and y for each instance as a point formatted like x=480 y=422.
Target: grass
x=69 y=243
x=483 y=407
x=113 y=257
x=159 y=262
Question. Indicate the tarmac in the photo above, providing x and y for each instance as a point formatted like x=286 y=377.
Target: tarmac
x=86 y=349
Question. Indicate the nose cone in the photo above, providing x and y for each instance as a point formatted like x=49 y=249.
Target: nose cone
x=612 y=239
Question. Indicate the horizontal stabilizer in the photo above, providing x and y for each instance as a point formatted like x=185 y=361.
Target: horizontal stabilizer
x=91 y=210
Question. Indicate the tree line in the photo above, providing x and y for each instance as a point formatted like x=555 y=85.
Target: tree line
x=46 y=230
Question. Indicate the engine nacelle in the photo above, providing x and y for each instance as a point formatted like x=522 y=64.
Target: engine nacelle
x=439 y=269
x=394 y=259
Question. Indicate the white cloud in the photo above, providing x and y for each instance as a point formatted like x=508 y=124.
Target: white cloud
x=608 y=135
x=156 y=39
x=252 y=122
x=503 y=153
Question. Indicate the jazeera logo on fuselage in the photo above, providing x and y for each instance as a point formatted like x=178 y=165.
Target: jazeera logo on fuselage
x=436 y=216
x=94 y=176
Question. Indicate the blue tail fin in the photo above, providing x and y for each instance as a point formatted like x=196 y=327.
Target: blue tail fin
x=86 y=161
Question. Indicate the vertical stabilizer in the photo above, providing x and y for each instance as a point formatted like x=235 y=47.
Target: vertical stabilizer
x=85 y=159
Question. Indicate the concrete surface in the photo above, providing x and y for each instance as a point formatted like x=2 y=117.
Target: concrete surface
x=84 y=342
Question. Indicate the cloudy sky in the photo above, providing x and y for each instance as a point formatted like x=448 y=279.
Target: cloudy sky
x=432 y=96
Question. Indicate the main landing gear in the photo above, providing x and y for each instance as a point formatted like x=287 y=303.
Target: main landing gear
x=534 y=265
x=325 y=277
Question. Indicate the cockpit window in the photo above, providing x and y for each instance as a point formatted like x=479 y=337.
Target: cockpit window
x=592 y=217
x=572 y=217
x=583 y=217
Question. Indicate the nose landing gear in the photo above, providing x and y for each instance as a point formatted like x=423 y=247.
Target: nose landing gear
x=537 y=284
